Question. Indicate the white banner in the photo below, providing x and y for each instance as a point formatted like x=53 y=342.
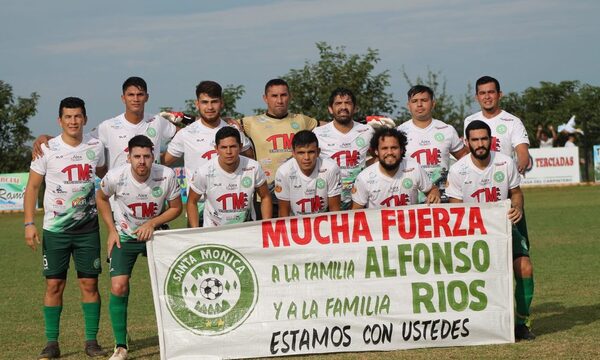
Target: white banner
x=12 y=191
x=597 y=162
x=366 y=280
x=550 y=166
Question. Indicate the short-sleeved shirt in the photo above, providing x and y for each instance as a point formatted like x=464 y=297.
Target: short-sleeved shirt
x=228 y=196
x=471 y=184
x=272 y=139
x=508 y=131
x=348 y=150
x=308 y=194
x=115 y=134
x=196 y=143
x=69 y=198
x=135 y=203
x=431 y=147
x=374 y=189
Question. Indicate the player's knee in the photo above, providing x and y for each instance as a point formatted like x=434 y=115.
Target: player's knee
x=88 y=286
x=119 y=288
x=523 y=267
x=55 y=287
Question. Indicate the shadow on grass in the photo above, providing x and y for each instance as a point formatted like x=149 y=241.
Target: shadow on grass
x=552 y=317
x=139 y=344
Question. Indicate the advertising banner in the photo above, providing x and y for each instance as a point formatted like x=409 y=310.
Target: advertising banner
x=597 y=162
x=364 y=280
x=12 y=190
x=551 y=166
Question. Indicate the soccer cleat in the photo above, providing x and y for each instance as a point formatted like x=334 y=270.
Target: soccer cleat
x=93 y=349
x=119 y=354
x=51 y=351
x=522 y=332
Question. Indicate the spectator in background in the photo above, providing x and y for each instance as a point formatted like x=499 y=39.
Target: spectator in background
x=571 y=140
x=542 y=136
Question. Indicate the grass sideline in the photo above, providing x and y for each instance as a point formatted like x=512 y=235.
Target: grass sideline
x=564 y=227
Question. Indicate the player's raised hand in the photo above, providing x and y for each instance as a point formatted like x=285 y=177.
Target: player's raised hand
x=177 y=118
x=113 y=239
x=376 y=122
x=515 y=214
x=32 y=238
x=36 y=151
x=145 y=231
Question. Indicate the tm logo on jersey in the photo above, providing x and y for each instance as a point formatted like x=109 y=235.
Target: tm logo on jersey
x=78 y=172
x=233 y=201
x=143 y=209
x=487 y=194
x=428 y=156
x=211 y=289
x=208 y=155
x=495 y=146
x=346 y=158
x=396 y=200
x=281 y=142
x=311 y=205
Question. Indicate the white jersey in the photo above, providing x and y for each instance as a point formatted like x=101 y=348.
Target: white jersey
x=70 y=196
x=507 y=131
x=374 y=189
x=348 y=150
x=228 y=196
x=472 y=185
x=196 y=143
x=135 y=203
x=431 y=148
x=308 y=194
x=115 y=134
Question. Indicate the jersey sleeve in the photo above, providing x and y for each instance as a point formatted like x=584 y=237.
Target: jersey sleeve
x=245 y=141
x=259 y=176
x=360 y=191
x=424 y=181
x=198 y=182
x=173 y=190
x=176 y=147
x=39 y=165
x=454 y=189
x=310 y=123
x=107 y=184
x=334 y=182
x=455 y=142
x=168 y=130
x=101 y=157
x=282 y=185
x=514 y=179
x=519 y=134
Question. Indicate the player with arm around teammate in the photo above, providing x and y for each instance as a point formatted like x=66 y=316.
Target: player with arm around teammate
x=68 y=166
x=140 y=190
x=307 y=183
x=228 y=183
x=393 y=180
x=487 y=176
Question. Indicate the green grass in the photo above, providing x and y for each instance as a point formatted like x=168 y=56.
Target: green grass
x=565 y=239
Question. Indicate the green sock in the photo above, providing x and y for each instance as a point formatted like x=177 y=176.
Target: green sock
x=52 y=321
x=91 y=317
x=523 y=298
x=118 y=317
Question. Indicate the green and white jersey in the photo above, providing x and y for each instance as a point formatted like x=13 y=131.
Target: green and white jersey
x=135 y=203
x=69 y=198
x=115 y=134
x=348 y=150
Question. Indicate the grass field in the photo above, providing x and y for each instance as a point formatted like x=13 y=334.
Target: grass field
x=564 y=225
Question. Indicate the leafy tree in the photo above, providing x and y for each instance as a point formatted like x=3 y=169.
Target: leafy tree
x=14 y=133
x=311 y=85
x=447 y=109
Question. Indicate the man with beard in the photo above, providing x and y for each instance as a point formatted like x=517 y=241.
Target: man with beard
x=394 y=180
x=487 y=176
x=345 y=140
x=140 y=190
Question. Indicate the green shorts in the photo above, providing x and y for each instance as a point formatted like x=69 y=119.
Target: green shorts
x=58 y=247
x=520 y=244
x=122 y=259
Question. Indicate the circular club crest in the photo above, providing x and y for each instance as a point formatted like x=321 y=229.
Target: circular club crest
x=407 y=183
x=90 y=154
x=499 y=176
x=320 y=183
x=295 y=125
x=211 y=289
x=501 y=129
x=151 y=132
x=157 y=191
x=360 y=141
x=246 y=182
x=439 y=137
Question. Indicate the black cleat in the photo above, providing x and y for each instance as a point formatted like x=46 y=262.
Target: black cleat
x=522 y=332
x=93 y=349
x=51 y=351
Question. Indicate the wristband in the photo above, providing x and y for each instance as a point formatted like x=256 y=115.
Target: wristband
x=28 y=223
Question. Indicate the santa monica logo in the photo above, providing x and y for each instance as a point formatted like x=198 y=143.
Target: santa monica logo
x=501 y=129
x=360 y=142
x=211 y=289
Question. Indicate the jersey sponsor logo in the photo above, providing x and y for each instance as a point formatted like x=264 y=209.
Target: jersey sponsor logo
x=233 y=201
x=396 y=200
x=281 y=142
x=278 y=189
x=346 y=158
x=79 y=201
x=78 y=172
x=144 y=209
x=211 y=289
x=486 y=194
x=311 y=205
x=209 y=154
x=427 y=156
x=230 y=186
x=495 y=146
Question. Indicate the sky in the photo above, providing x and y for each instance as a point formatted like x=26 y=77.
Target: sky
x=87 y=49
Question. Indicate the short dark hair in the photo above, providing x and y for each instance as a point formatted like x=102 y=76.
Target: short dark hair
x=140 y=141
x=477 y=125
x=341 y=91
x=228 y=131
x=385 y=132
x=210 y=88
x=304 y=138
x=417 y=89
x=276 y=82
x=138 y=82
x=71 y=103
x=486 y=80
